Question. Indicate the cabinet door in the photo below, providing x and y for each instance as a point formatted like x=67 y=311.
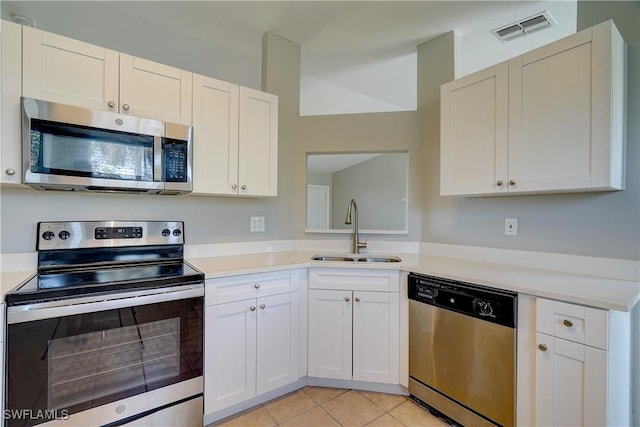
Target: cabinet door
x=230 y=354
x=563 y=123
x=258 y=142
x=330 y=334
x=474 y=120
x=376 y=337
x=571 y=383
x=215 y=136
x=155 y=91
x=11 y=83
x=277 y=348
x=60 y=69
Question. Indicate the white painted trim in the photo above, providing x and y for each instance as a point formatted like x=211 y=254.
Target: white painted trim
x=344 y=246
x=614 y=268
x=350 y=231
x=237 y=248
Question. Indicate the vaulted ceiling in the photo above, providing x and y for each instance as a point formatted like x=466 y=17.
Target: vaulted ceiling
x=357 y=56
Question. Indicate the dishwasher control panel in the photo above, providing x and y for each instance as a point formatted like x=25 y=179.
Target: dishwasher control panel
x=492 y=305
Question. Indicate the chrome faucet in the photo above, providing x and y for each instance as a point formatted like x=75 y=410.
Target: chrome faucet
x=356 y=244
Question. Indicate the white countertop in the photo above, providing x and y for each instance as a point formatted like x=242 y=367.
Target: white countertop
x=588 y=290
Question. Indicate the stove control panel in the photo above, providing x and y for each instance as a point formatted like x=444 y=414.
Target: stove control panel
x=95 y=234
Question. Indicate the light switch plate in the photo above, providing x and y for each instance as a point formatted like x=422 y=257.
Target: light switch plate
x=256 y=224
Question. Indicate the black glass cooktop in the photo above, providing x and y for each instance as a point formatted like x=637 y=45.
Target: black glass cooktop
x=65 y=284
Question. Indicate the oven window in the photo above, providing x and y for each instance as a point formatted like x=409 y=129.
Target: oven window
x=78 y=362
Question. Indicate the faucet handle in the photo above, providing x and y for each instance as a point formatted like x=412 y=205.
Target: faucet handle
x=362 y=244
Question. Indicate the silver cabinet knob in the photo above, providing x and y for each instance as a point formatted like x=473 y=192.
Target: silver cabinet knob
x=568 y=323
x=542 y=347
x=499 y=183
x=357 y=299
x=111 y=104
x=125 y=107
x=10 y=172
x=234 y=186
x=262 y=306
x=244 y=187
x=512 y=182
x=257 y=286
x=347 y=299
x=252 y=308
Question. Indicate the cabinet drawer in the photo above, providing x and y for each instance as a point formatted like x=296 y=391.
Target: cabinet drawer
x=580 y=324
x=237 y=288
x=354 y=279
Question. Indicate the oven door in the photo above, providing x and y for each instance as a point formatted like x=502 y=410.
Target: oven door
x=92 y=361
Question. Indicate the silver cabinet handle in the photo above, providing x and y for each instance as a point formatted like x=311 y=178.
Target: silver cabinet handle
x=568 y=323
x=262 y=306
x=347 y=299
x=542 y=347
x=111 y=104
x=512 y=182
x=357 y=299
x=10 y=172
x=125 y=107
x=257 y=286
x=234 y=186
x=499 y=183
x=252 y=308
x=244 y=187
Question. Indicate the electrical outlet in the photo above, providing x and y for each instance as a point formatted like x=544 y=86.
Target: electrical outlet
x=256 y=224
x=511 y=226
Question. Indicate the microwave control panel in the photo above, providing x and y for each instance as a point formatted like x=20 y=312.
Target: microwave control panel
x=175 y=160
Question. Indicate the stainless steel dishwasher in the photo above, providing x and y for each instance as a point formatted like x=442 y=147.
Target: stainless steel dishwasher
x=462 y=350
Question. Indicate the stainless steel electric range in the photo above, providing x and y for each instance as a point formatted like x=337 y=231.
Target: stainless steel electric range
x=109 y=331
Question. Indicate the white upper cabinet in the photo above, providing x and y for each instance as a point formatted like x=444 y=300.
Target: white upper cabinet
x=474 y=115
x=258 y=143
x=64 y=70
x=215 y=136
x=550 y=120
x=60 y=69
x=11 y=156
x=149 y=89
x=235 y=139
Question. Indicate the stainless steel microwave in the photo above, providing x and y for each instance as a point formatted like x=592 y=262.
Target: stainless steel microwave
x=72 y=148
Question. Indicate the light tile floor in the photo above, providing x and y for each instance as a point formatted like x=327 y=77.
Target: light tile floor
x=320 y=407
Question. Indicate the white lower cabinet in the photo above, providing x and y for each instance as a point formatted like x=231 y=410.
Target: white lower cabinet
x=251 y=344
x=582 y=366
x=354 y=328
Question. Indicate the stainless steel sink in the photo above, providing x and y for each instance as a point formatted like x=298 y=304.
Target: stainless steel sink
x=356 y=258
x=379 y=259
x=331 y=258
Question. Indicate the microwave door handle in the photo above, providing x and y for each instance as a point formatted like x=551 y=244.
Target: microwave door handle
x=157 y=158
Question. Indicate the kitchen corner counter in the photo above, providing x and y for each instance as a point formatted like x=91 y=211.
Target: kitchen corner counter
x=600 y=292
x=590 y=290
x=10 y=280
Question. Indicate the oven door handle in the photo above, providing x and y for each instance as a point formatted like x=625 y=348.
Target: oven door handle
x=90 y=304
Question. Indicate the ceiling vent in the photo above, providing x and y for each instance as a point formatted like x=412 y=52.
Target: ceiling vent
x=528 y=25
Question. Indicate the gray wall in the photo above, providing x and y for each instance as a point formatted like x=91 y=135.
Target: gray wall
x=598 y=224
x=207 y=219
x=594 y=224
x=378 y=185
